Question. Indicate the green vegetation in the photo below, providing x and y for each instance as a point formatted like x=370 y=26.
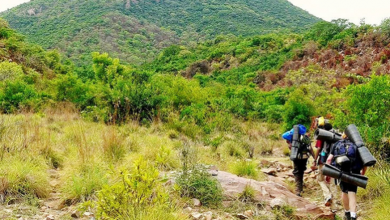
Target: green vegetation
x=222 y=100
x=137 y=195
x=195 y=181
x=284 y=212
x=248 y=194
x=198 y=183
x=246 y=169
x=136 y=31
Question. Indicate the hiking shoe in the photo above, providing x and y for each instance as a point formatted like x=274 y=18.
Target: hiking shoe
x=347 y=216
x=353 y=218
x=328 y=201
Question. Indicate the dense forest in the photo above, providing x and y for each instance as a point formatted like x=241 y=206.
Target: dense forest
x=221 y=93
x=136 y=31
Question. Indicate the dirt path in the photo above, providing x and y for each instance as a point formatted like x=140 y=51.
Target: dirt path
x=51 y=208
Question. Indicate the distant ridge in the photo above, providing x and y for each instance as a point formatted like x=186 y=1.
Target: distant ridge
x=136 y=30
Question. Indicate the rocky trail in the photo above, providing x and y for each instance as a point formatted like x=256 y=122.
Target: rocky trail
x=51 y=208
x=272 y=194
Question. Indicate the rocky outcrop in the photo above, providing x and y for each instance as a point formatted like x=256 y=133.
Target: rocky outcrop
x=273 y=194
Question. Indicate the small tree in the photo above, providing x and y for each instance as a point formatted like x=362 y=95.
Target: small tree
x=298 y=109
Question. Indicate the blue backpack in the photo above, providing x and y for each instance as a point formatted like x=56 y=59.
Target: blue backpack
x=349 y=149
x=289 y=134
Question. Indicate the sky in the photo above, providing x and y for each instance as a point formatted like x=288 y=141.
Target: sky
x=6 y=4
x=373 y=11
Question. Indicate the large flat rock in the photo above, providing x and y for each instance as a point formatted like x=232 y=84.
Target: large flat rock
x=272 y=193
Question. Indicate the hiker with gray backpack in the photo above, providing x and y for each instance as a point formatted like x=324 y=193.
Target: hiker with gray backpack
x=347 y=163
x=300 y=150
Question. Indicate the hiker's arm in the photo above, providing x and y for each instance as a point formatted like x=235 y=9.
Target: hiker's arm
x=318 y=147
x=364 y=170
x=289 y=144
x=313 y=153
x=329 y=160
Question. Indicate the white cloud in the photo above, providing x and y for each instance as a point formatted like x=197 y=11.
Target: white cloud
x=6 y=4
x=373 y=11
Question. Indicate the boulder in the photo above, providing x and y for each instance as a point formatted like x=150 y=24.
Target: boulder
x=196 y=202
x=270 y=193
x=269 y=171
x=241 y=216
x=264 y=163
x=196 y=215
x=208 y=215
x=188 y=209
x=50 y=217
x=248 y=213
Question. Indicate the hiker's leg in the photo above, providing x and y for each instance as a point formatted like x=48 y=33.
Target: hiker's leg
x=345 y=199
x=352 y=201
x=299 y=169
x=298 y=184
x=324 y=186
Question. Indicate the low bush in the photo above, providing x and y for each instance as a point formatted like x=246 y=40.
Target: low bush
x=137 y=195
x=248 y=194
x=378 y=191
x=165 y=159
x=233 y=149
x=198 y=183
x=113 y=146
x=81 y=182
x=245 y=168
x=285 y=212
x=298 y=110
x=24 y=177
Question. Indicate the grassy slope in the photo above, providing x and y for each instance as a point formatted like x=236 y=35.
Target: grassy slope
x=89 y=155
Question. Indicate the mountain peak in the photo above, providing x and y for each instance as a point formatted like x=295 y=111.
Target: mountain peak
x=136 y=30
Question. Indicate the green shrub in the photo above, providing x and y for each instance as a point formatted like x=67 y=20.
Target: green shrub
x=18 y=95
x=198 y=183
x=165 y=159
x=274 y=113
x=368 y=113
x=54 y=159
x=113 y=146
x=21 y=177
x=246 y=168
x=377 y=191
x=10 y=71
x=233 y=149
x=247 y=195
x=298 y=110
x=138 y=195
x=285 y=212
x=81 y=183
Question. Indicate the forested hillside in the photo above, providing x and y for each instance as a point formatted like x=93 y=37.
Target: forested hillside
x=135 y=31
x=221 y=101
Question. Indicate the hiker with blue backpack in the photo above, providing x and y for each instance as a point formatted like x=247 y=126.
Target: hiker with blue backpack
x=300 y=150
x=344 y=155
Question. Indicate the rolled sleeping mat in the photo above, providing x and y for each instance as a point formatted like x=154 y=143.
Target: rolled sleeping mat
x=351 y=178
x=329 y=170
x=365 y=155
x=353 y=134
x=295 y=143
x=355 y=179
x=331 y=136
